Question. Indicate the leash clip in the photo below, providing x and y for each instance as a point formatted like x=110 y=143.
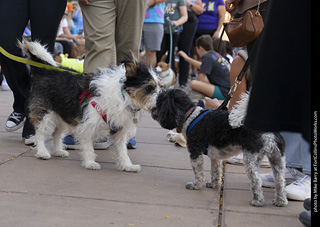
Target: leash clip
x=234 y=87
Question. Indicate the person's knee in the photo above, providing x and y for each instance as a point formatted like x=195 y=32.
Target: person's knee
x=192 y=84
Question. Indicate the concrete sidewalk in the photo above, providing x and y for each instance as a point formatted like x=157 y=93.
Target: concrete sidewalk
x=59 y=192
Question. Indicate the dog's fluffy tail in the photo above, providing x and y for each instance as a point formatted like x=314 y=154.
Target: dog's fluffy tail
x=37 y=52
x=239 y=111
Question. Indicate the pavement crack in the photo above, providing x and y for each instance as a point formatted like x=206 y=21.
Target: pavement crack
x=13 y=157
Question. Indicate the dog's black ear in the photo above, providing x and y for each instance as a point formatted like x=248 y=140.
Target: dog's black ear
x=131 y=68
x=165 y=110
x=172 y=105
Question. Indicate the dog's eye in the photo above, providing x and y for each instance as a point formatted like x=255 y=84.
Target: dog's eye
x=150 y=88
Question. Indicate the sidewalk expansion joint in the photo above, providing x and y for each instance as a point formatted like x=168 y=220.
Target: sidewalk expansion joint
x=221 y=195
x=102 y=199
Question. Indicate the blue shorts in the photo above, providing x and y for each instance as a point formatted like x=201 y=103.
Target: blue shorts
x=217 y=93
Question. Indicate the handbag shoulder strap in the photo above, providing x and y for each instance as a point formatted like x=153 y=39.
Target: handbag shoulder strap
x=238 y=79
x=218 y=47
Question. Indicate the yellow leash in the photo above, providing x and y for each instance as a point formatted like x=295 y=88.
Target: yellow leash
x=33 y=63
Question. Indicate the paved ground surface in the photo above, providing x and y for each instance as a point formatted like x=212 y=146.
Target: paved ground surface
x=59 y=192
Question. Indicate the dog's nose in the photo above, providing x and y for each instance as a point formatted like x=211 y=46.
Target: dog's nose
x=154 y=113
x=158 y=69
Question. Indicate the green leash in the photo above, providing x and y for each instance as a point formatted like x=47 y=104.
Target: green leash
x=33 y=63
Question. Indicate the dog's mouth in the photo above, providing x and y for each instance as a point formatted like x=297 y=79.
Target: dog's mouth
x=158 y=69
x=179 y=128
x=154 y=113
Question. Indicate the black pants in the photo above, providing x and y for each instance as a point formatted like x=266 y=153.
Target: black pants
x=45 y=17
x=66 y=47
x=185 y=43
x=165 y=46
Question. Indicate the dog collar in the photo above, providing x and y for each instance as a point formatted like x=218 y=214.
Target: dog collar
x=179 y=128
x=133 y=110
x=123 y=91
x=188 y=113
x=170 y=73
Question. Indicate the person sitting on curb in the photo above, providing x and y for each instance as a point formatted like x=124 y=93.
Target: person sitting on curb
x=214 y=78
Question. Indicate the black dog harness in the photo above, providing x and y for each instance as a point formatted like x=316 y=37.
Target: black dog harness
x=194 y=122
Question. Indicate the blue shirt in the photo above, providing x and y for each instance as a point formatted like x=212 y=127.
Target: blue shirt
x=78 y=21
x=209 y=19
x=155 y=14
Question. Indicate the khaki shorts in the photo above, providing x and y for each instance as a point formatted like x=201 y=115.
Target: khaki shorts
x=112 y=30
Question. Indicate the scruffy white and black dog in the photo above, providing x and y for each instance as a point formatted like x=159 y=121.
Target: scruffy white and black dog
x=220 y=134
x=90 y=106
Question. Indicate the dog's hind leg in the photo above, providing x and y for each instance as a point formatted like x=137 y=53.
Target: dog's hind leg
x=216 y=173
x=123 y=161
x=41 y=128
x=277 y=163
x=197 y=166
x=251 y=163
x=58 y=134
x=274 y=149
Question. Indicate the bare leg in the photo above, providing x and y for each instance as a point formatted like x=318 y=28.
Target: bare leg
x=202 y=87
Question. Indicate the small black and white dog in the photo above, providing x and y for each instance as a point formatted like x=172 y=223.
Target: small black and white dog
x=221 y=135
x=91 y=107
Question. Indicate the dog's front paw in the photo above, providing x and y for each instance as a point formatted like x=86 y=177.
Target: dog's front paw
x=280 y=202
x=61 y=153
x=215 y=184
x=257 y=203
x=131 y=168
x=91 y=165
x=43 y=155
x=193 y=186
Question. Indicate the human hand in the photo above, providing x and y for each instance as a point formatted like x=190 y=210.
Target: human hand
x=216 y=35
x=231 y=5
x=211 y=104
x=181 y=53
x=173 y=23
x=80 y=36
x=170 y=22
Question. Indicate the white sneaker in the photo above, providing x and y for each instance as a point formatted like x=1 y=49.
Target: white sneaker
x=300 y=189
x=238 y=160
x=290 y=175
x=72 y=144
x=29 y=140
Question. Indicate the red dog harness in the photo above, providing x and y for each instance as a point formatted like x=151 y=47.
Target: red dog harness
x=94 y=104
